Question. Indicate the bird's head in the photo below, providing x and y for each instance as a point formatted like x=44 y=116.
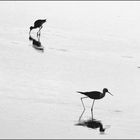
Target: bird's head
x=30 y=38
x=31 y=28
x=106 y=90
x=102 y=130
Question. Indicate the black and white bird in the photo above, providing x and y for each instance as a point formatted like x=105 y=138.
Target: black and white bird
x=95 y=95
x=38 y=24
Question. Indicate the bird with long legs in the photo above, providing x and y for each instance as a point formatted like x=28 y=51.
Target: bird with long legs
x=37 y=24
x=95 y=95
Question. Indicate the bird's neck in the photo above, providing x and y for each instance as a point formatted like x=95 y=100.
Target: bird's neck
x=103 y=94
x=33 y=27
x=101 y=128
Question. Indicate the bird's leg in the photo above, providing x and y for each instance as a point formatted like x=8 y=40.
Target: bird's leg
x=38 y=37
x=92 y=110
x=83 y=107
x=38 y=34
x=83 y=102
x=39 y=30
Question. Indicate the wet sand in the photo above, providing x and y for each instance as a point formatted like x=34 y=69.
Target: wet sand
x=38 y=97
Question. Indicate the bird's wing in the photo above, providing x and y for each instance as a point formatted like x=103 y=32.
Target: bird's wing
x=92 y=94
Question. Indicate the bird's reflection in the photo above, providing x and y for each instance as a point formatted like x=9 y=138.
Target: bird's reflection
x=36 y=43
x=93 y=124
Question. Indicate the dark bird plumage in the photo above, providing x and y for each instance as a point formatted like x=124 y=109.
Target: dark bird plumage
x=37 y=24
x=95 y=95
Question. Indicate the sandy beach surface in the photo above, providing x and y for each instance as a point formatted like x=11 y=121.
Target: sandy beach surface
x=85 y=46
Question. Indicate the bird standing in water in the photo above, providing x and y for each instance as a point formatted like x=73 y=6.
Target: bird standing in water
x=37 y=24
x=95 y=95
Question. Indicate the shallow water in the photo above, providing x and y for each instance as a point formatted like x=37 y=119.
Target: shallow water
x=95 y=45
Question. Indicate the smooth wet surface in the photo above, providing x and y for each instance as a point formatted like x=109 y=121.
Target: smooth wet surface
x=38 y=97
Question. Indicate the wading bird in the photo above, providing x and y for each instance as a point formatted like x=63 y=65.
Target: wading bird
x=37 y=24
x=95 y=95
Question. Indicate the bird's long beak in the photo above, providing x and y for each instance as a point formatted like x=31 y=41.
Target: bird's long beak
x=110 y=93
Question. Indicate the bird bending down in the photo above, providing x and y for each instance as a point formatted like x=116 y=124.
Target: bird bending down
x=95 y=95
x=38 y=24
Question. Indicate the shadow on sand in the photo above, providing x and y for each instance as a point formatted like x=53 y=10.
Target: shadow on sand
x=36 y=43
